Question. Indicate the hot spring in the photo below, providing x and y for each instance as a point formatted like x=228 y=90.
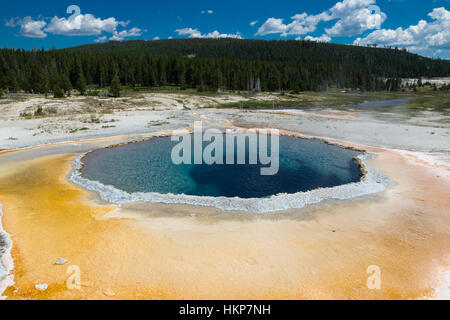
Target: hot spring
x=147 y=168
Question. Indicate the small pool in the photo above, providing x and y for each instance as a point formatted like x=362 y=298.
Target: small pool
x=146 y=167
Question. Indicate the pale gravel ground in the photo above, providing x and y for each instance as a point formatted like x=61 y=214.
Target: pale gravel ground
x=143 y=113
x=365 y=129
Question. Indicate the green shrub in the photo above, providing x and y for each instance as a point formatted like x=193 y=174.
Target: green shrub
x=58 y=92
x=39 y=111
x=26 y=115
x=93 y=93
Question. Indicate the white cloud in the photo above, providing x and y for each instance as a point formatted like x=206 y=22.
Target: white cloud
x=207 y=11
x=119 y=36
x=422 y=37
x=322 y=38
x=253 y=23
x=83 y=25
x=304 y=23
x=75 y=25
x=156 y=38
x=101 y=39
x=13 y=22
x=355 y=20
x=195 y=33
x=32 y=28
x=353 y=17
x=192 y=33
x=271 y=26
x=340 y=9
x=29 y=27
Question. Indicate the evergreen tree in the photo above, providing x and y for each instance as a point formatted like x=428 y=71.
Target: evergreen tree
x=274 y=79
x=115 y=87
x=66 y=85
x=181 y=73
x=152 y=79
x=217 y=79
x=81 y=84
x=37 y=81
x=12 y=83
x=58 y=92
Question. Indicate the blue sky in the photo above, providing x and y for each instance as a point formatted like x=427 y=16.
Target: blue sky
x=421 y=26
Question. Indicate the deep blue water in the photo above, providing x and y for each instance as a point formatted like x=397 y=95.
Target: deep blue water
x=147 y=167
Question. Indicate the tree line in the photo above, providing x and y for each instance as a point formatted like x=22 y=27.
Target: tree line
x=210 y=64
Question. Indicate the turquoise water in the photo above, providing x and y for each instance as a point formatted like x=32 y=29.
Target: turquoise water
x=147 y=167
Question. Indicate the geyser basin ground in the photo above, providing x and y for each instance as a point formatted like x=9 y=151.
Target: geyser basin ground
x=166 y=251
x=309 y=172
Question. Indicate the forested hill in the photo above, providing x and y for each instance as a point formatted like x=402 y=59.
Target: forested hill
x=381 y=61
x=211 y=64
